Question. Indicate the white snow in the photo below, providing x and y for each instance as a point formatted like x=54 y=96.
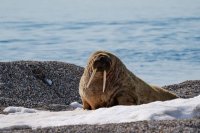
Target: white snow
x=76 y=105
x=21 y=110
x=168 y=110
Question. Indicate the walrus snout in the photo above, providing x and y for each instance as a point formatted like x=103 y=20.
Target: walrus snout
x=102 y=63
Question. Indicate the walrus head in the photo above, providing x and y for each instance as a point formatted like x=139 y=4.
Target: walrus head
x=101 y=62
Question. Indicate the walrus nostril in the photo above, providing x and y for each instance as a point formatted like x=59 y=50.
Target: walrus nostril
x=104 y=59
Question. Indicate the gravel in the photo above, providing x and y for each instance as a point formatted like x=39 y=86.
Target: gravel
x=187 y=89
x=28 y=84
x=52 y=85
x=175 y=126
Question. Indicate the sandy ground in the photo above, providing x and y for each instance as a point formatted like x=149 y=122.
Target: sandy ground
x=54 y=85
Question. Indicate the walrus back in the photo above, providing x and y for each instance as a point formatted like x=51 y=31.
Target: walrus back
x=149 y=93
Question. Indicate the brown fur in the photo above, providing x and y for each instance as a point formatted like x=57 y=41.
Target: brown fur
x=122 y=86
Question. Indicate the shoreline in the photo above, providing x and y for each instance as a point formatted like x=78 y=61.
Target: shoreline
x=52 y=85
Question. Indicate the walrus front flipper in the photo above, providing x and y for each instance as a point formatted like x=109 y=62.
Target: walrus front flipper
x=123 y=98
x=85 y=104
x=126 y=99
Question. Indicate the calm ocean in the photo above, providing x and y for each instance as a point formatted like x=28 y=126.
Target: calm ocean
x=158 y=40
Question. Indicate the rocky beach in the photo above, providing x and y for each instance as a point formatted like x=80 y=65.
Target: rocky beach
x=52 y=85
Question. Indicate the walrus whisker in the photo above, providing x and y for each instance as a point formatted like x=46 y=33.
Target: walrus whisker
x=92 y=76
x=104 y=80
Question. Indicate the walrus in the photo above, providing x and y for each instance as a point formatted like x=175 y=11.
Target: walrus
x=107 y=82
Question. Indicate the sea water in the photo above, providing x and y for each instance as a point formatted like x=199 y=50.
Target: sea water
x=158 y=40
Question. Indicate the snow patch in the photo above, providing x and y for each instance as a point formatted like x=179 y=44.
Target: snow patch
x=196 y=112
x=167 y=110
x=76 y=105
x=13 y=109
